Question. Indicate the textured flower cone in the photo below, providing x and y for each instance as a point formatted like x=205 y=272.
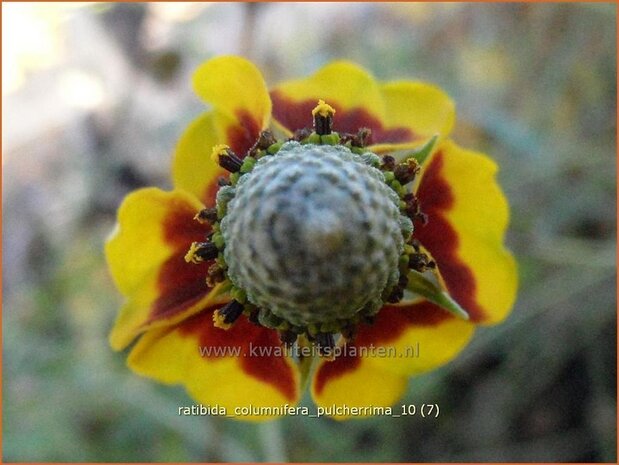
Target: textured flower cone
x=313 y=234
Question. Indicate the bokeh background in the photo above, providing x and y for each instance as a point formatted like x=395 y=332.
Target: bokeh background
x=94 y=99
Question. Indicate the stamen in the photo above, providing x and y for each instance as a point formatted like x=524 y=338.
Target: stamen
x=265 y=140
x=226 y=158
x=323 y=118
x=419 y=261
x=405 y=172
x=225 y=317
x=397 y=294
x=325 y=345
x=349 y=332
x=253 y=317
x=388 y=163
x=207 y=215
x=288 y=338
x=201 y=251
x=412 y=209
x=301 y=134
x=215 y=274
x=357 y=140
x=362 y=137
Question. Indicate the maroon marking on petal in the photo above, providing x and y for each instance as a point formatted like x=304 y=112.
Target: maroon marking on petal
x=180 y=284
x=329 y=371
x=179 y=227
x=392 y=321
x=293 y=115
x=441 y=240
x=297 y=115
x=261 y=363
x=352 y=120
x=389 y=325
x=210 y=194
x=242 y=136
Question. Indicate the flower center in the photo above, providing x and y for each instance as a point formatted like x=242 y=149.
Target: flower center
x=312 y=235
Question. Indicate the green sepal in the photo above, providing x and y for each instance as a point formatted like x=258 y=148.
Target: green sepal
x=313 y=138
x=330 y=139
x=218 y=240
x=422 y=286
x=248 y=164
x=238 y=294
x=234 y=178
x=421 y=154
x=274 y=148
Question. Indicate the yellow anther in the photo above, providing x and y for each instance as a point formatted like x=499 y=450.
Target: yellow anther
x=218 y=321
x=218 y=151
x=323 y=109
x=191 y=255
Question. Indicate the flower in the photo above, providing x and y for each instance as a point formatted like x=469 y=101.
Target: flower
x=350 y=256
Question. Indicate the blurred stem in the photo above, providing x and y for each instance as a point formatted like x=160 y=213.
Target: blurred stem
x=270 y=434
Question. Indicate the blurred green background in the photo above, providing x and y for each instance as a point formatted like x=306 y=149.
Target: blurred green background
x=94 y=99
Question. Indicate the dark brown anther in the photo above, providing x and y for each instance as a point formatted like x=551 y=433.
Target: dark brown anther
x=201 y=251
x=215 y=275
x=349 y=332
x=388 y=163
x=419 y=261
x=253 y=317
x=396 y=295
x=405 y=172
x=326 y=345
x=301 y=134
x=323 y=125
x=207 y=215
x=226 y=158
x=225 y=317
x=265 y=140
x=359 y=140
x=412 y=205
x=221 y=181
x=362 y=137
x=288 y=338
x=323 y=118
x=413 y=209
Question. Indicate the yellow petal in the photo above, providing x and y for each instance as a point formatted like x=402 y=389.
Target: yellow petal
x=400 y=114
x=241 y=110
x=219 y=367
x=415 y=338
x=468 y=216
x=349 y=89
x=352 y=382
x=235 y=87
x=145 y=255
x=192 y=167
x=423 y=108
